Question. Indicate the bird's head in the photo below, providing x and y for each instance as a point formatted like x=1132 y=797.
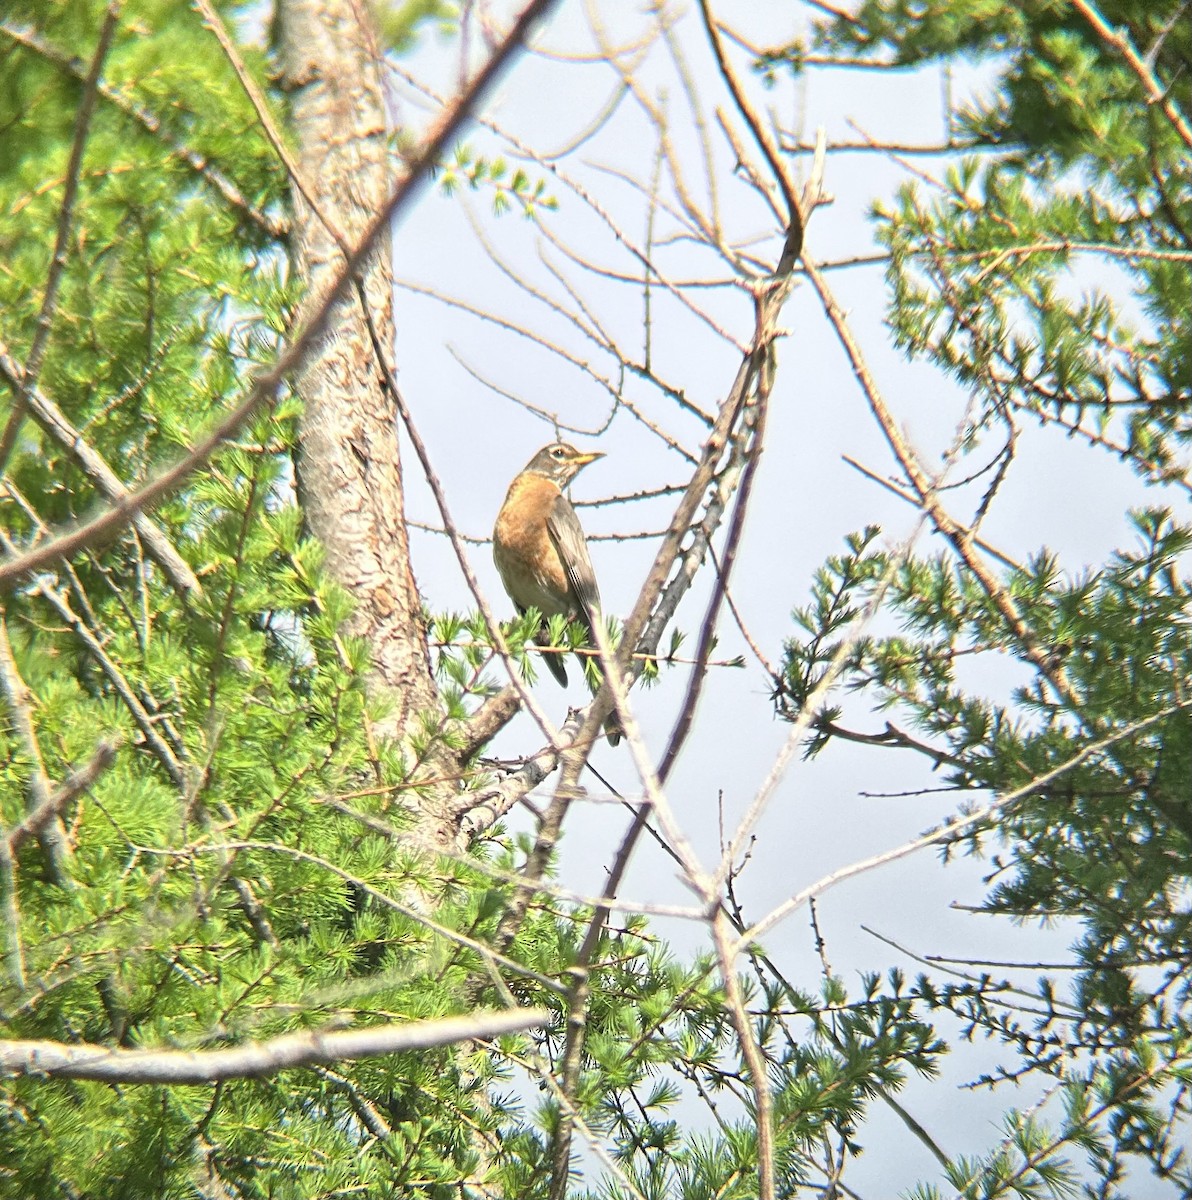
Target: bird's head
x=560 y=462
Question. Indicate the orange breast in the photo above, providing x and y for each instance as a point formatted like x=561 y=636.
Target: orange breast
x=526 y=557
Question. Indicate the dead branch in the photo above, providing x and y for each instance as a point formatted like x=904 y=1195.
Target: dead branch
x=20 y=706
x=255 y=1060
x=268 y=382
x=54 y=804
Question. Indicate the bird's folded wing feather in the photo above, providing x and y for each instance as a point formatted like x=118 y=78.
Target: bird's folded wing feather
x=568 y=537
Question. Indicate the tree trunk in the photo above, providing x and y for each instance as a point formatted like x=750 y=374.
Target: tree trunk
x=349 y=469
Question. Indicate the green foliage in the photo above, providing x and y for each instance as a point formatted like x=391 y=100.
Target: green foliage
x=223 y=884
x=1108 y=843
x=514 y=189
x=1087 y=166
x=399 y=22
x=244 y=868
x=1080 y=178
x=247 y=865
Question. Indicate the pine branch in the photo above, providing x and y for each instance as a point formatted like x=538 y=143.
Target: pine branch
x=269 y=381
x=53 y=422
x=49 y=300
x=274 y=226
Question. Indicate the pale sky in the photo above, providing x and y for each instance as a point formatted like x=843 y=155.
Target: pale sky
x=806 y=500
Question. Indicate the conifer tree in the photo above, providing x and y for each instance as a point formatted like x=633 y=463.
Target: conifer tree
x=251 y=854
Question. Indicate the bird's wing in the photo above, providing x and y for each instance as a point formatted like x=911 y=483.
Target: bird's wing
x=568 y=537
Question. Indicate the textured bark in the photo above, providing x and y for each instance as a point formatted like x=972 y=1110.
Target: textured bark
x=349 y=471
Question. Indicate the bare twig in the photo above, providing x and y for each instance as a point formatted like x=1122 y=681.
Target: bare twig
x=795 y=215
x=270 y=380
x=751 y=1051
x=639 y=254
x=257 y=1059
x=370 y=1117
x=903 y=494
x=49 y=301
x=774 y=675
x=53 y=421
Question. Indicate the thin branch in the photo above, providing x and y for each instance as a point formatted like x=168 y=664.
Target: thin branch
x=950 y=829
x=796 y=217
x=550 y=416
x=739 y=619
x=276 y=227
x=792 y=145
x=1115 y=39
x=20 y=707
x=146 y=722
x=256 y=1060
x=893 y=736
x=54 y=804
x=261 y=107
x=665 y=22
x=365 y=1111
x=903 y=494
x=268 y=382
x=1062 y=246
x=53 y=422
x=763 y=1115
x=49 y=301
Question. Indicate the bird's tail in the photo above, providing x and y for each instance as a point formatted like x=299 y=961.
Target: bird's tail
x=553 y=660
x=594 y=677
x=613 y=729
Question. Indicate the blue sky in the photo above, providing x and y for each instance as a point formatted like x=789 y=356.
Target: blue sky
x=458 y=372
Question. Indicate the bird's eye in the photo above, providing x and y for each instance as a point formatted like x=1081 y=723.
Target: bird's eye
x=558 y=452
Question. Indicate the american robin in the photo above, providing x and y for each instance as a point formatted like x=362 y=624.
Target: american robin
x=541 y=553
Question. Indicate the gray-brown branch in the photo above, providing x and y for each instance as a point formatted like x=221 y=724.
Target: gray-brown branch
x=256 y=1059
